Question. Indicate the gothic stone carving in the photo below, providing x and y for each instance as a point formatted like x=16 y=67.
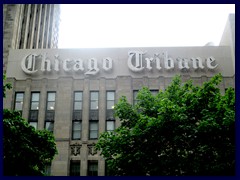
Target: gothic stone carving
x=75 y=149
x=91 y=149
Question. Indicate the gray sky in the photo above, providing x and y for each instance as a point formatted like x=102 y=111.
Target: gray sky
x=141 y=25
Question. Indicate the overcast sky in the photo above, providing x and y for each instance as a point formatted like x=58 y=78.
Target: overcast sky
x=141 y=25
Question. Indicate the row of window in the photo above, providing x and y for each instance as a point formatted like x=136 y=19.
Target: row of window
x=77 y=111
x=75 y=168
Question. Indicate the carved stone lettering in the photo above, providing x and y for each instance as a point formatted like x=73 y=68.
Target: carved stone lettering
x=136 y=62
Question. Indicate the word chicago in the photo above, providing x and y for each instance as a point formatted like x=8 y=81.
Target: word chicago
x=136 y=62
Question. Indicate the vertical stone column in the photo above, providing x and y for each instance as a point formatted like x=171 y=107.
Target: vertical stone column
x=42 y=105
x=27 y=26
x=102 y=121
x=27 y=99
x=85 y=128
x=101 y=166
x=60 y=164
x=84 y=159
x=49 y=14
x=102 y=105
x=32 y=30
x=42 y=30
x=38 y=26
x=154 y=83
x=85 y=113
x=62 y=126
x=161 y=82
x=63 y=110
x=145 y=81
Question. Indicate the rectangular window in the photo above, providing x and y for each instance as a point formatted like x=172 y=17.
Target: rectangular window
x=110 y=120
x=154 y=92
x=93 y=115
x=77 y=115
x=50 y=111
x=74 y=168
x=110 y=99
x=18 y=104
x=93 y=129
x=110 y=125
x=47 y=170
x=34 y=108
x=94 y=100
x=76 y=130
x=135 y=101
x=34 y=124
x=92 y=168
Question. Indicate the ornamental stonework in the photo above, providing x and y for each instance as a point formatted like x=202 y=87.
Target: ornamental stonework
x=91 y=149
x=75 y=149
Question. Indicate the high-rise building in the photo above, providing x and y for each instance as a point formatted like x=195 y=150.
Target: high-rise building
x=72 y=92
x=30 y=26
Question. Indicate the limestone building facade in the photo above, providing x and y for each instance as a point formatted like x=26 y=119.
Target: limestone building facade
x=72 y=92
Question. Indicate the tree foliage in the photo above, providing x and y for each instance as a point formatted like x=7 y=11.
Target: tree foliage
x=26 y=151
x=5 y=86
x=184 y=130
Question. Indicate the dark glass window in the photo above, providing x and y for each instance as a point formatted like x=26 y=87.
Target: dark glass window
x=154 y=92
x=92 y=168
x=34 y=108
x=76 y=129
x=110 y=120
x=110 y=125
x=50 y=111
x=94 y=100
x=77 y=115
x=93 y=129
x=47 y=170
x=135 y=101
x=93 y=115
x=74 y=168
x=18 y=104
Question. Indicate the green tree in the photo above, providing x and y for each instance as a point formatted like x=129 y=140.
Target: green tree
x=26 y=151
x=5 y=86
x=184 y=130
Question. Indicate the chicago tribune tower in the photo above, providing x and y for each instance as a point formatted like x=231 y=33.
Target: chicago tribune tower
x=72 y=92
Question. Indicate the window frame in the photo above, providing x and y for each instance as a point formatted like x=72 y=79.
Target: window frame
x=93 y=116
x=73 y=115
x=51 y=121
x=71 y=170
x=47 y=170
x=92 y=162
x=111 y=110
x=135 y=101
x=30 y=120
x=15 y=101
x=92 y=100
x=154 y=92
x=90 y=122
